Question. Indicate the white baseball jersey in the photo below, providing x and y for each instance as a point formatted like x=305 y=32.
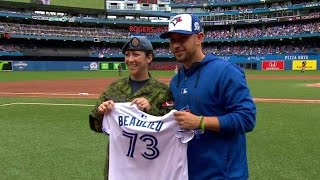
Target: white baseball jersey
x=145 y=147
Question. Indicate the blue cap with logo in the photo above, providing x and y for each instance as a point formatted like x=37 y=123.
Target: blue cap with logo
x=138 y=43
x=183 y=24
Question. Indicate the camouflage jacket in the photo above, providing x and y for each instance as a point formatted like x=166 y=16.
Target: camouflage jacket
x=154 y=91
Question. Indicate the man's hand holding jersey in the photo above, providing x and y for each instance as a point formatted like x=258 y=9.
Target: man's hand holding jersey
x=187 y=120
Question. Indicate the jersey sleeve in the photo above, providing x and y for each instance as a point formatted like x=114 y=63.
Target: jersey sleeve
x=106 y=125
x=185 y=135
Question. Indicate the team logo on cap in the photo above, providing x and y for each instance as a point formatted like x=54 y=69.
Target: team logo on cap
x=135 y=42
x=176 y=20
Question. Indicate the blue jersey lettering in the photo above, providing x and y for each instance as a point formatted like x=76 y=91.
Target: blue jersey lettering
x=133 y=121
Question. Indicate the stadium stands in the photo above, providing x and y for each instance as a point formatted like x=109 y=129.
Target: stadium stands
x=232 y=27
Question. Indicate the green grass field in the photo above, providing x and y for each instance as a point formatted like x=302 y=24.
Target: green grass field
x=24 y=1
x=55 y=142
x=92 y=4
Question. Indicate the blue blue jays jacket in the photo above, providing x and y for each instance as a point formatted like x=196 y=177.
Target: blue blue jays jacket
x=215 y=87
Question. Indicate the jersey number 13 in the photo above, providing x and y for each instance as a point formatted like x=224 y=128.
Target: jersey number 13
x=151 y=152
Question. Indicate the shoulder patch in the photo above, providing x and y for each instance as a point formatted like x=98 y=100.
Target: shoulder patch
x=168 y=104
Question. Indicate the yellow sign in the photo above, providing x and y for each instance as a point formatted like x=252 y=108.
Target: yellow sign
x=311 y=64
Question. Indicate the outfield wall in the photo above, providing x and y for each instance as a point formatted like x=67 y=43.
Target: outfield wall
x=268 y=62
x=74 y=65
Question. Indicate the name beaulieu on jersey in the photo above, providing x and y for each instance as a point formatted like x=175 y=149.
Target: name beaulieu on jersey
x=135 y=122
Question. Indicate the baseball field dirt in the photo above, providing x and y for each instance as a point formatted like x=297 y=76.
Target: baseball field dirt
x=83 y=88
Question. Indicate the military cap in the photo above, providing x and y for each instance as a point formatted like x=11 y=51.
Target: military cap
x=138 y=43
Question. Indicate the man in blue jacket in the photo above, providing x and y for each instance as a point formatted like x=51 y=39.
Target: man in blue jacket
x=214 y=100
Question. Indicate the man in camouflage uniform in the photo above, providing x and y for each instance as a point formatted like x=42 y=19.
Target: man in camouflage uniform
x=143 y=91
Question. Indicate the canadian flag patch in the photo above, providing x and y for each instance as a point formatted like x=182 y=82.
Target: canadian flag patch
x=167 y=104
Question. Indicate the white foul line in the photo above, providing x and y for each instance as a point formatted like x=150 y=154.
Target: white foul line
x=255 y=99
x=46 y=104
x=311 y=101
x=52 y=94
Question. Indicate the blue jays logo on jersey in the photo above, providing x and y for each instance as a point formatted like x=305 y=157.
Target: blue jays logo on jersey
x=176 y=20
x=184 y=90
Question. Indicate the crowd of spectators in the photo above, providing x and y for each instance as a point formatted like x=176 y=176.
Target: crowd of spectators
x=246 y=8
x=207 y=1
x=211 y=32
x=271 y=31
x=113 y=33
x=9 y=48
x=104 y=51
x=240 y=8
x=227 y=49
x=222 y=34
x=227 y=1
x=189 y=1
x=246 y=50
x=59 y=31
x=262 y=49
